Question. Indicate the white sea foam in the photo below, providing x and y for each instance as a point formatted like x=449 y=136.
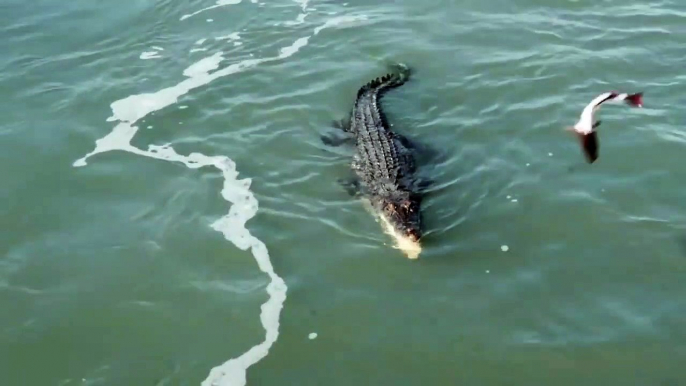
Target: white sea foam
x=150 y=55
x=244 y=206
x=220 y=3
x=303 y=4
x=231 y=36
x=335 y=21
x=301 y=17
x=293 y=48
x=204 y=66
x=235 y=37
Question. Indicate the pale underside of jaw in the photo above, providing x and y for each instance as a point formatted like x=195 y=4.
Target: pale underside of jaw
x=409 y=247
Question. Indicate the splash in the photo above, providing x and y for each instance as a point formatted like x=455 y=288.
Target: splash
x=244 y=205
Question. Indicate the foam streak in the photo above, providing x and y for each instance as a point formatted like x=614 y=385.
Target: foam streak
x=244 y=205
x=220 y=3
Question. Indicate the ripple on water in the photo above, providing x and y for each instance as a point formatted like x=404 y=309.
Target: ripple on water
x=481 y=94
x=135 y=107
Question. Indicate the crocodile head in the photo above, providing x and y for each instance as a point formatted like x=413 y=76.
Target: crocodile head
x=403 y=215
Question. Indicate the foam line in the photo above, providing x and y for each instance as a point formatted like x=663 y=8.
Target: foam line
x=301 y=17
x=220 y=3
x=150 y=55
x=135 y=107
x=231 y=36
x=244 y=205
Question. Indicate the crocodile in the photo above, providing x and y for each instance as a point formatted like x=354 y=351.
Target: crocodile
x=384 y=163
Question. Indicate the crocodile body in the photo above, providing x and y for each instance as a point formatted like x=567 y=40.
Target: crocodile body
x=384 y=163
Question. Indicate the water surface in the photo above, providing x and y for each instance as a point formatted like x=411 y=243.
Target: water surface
x=165 y=183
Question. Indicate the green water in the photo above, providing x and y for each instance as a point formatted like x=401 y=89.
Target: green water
x=128 y=268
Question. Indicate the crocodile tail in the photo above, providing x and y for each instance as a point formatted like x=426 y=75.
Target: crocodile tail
x=396 y=78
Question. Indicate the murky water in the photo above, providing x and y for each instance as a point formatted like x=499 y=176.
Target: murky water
x=171 y=217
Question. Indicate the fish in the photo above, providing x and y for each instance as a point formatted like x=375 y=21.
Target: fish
x=585 y=128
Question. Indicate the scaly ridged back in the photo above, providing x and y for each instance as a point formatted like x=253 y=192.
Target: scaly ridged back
x=382 y=158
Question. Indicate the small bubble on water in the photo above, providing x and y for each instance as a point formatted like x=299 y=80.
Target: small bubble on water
x=528 y=164
x=514 y=200
x=313 y=335
x=550 y=154
x=210 y=20
x=504 y=248
x=488 y=271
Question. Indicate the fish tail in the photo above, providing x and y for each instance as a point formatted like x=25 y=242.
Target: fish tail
x=635 y=99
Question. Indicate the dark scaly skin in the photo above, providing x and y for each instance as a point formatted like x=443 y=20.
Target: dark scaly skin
x=384 y=162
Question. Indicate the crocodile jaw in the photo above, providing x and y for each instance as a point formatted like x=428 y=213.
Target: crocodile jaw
x=409 y=247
